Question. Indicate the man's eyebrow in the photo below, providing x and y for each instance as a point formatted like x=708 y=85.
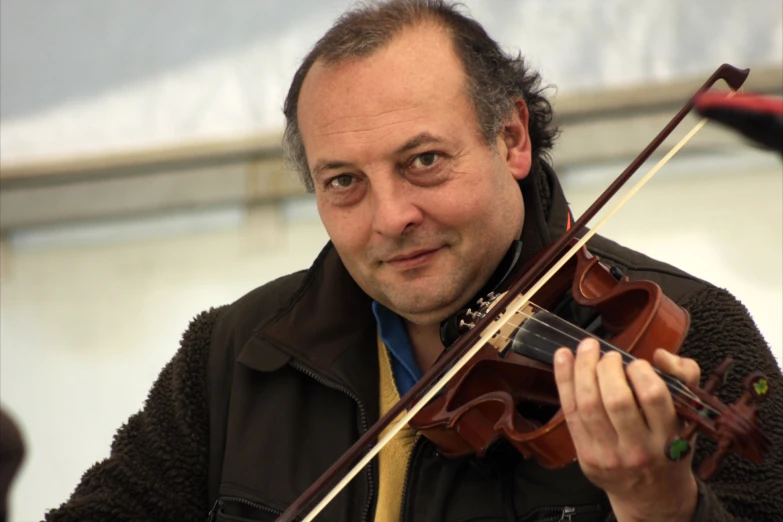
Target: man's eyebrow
x=420 y=139
x=323 y=165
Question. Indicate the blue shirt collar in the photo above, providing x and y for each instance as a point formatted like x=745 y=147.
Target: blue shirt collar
x=392 y=331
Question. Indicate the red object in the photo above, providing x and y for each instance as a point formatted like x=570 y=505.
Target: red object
x=757 y=117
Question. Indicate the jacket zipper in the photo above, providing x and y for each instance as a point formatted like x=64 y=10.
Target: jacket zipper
x=363 y=415
x=222 y=500
x=560 y=513
x=567 y=512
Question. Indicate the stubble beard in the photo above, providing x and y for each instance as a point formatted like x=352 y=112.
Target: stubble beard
x=426 y=300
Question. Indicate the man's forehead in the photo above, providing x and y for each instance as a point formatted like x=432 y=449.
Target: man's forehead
x=417 y=64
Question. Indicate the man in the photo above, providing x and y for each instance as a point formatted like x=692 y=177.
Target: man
x=426 y=148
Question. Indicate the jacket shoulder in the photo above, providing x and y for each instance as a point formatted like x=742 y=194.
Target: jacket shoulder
x=677 y=284
x=232 y=324
x=238 y=320
x=156 y=469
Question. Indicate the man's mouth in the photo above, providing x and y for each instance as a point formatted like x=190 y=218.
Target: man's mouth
x=412 y=259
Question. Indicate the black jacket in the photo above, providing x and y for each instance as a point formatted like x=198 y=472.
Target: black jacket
x=266 y=393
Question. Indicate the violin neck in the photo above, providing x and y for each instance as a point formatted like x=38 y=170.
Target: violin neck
x=540 y=334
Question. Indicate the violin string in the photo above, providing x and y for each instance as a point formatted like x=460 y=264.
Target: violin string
x=675 y=385
x=604 y=345
x=677 y=397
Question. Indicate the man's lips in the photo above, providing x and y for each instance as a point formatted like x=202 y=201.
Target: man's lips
x=412 y=259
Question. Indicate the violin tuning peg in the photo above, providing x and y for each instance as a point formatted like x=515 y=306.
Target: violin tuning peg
x=719 y=375
x=757 y=385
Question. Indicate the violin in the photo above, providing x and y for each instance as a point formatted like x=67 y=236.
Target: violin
x=513 y=373
x=496 y=380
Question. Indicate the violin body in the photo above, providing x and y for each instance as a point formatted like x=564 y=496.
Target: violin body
x=486 y=400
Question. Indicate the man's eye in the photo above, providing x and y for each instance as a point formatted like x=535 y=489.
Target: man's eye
x=425 y=160
x=341 y=181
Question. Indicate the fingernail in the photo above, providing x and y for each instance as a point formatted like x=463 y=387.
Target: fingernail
x=586 y=345
x=561 y=357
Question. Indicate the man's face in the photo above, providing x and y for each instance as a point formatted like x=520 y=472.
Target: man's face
x=418 y=206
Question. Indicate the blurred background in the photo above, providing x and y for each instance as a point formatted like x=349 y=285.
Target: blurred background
x=141 y=178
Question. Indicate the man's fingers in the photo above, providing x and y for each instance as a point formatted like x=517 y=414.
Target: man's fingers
x=619 y=401
x=588 y=394
x=589 y=401
x=686 y=369
x=654 y=398
x=564 y=377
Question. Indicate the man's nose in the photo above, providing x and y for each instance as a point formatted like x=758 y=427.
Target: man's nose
x=395 y=210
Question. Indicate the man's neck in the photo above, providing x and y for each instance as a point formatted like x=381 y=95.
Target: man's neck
x=426 y=344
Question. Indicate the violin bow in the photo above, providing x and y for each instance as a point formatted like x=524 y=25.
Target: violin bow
x=466 y=347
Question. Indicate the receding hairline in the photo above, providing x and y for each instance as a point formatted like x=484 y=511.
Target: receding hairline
x=331 y=62
x=417 y=18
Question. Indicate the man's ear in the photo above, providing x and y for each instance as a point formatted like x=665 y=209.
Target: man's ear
x=517 y=142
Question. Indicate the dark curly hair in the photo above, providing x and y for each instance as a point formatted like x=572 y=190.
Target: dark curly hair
x=495 y=79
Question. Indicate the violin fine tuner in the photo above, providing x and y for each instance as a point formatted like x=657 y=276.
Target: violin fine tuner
x=468 y=317
x=464 y=325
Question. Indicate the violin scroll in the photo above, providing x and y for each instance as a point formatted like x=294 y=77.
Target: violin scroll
x=735 y=427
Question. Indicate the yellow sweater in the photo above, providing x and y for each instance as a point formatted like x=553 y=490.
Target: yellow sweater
x=392 y=459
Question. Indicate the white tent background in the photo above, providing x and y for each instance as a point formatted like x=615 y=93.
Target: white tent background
x=90 y=314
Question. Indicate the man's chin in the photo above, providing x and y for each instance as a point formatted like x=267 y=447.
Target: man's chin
x=426 y=311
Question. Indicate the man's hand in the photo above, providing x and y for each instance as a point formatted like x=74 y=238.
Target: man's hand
x=620 y=420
